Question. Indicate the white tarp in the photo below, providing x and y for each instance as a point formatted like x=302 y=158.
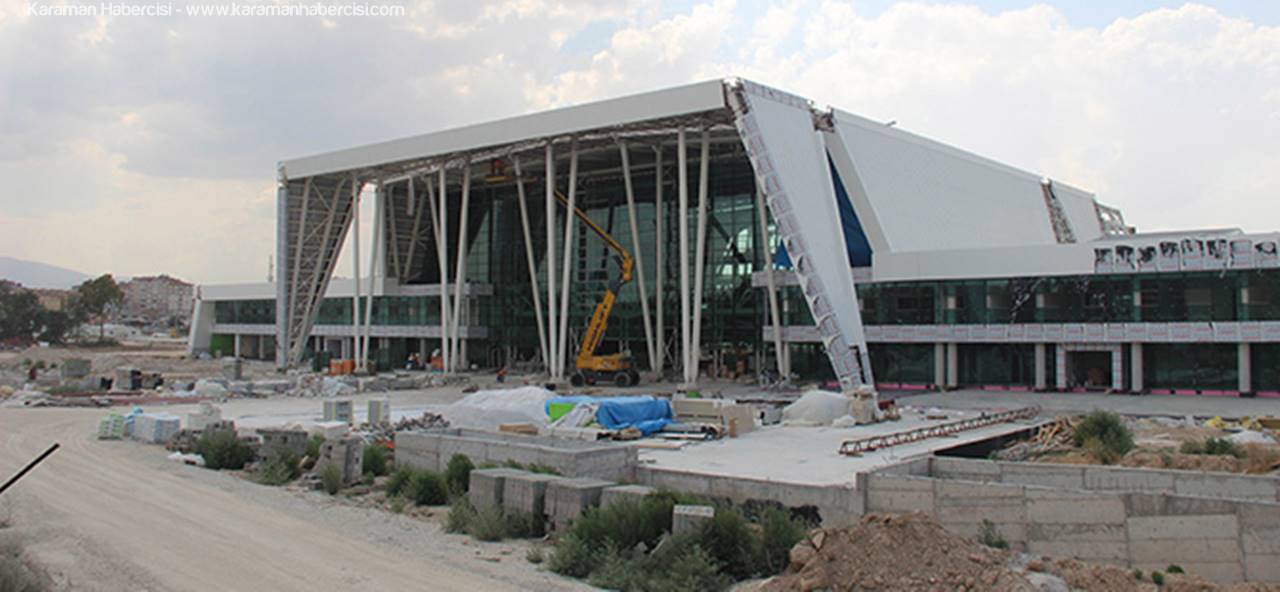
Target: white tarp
x=486 y=410
x=790 y=162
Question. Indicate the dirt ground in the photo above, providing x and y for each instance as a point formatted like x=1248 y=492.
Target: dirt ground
x=168 y=359
x=1158 y=442
x=118 y=515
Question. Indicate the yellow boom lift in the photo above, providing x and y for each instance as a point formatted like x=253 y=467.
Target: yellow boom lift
x=591 y=367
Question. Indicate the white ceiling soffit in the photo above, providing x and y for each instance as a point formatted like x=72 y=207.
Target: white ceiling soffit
x=790 y=163
x=670 y=102
x=927 y=196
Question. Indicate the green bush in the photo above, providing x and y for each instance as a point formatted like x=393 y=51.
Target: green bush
x=313 y=446
x=458 y=473
x=375 y=459
x=989 y=536
x=427 y=488
x=331 y=478
x=1137 y=574
x=523 y=525
x=573 y=557
x=488 y=524
x=398 y=484
x=729 y=540
x=461 y=515
x=280 y=468
x=1175 y=568
x=1157 y=578
x=1213 y=446
x=779 y=532
x=1104 y=432
x=222 y=449
x=616 y=572
x=626 y=523
x=535 y=555
x=694 y=569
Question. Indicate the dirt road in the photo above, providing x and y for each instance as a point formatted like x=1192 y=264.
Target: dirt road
x=119 y=516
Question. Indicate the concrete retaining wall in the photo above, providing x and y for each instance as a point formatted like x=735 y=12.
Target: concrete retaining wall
x=837 y=505
x=1220 y=539
x=1098 y=478
x=432 y=450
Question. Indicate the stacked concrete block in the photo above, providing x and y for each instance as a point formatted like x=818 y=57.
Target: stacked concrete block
x=566 y=499
x=294 y=441
x=685 y=518
x=963 y=507
x=338 y=411
x=893 y=493
x=526 y=493
x=1205 y=545
x=433 y=449
x=485 y=488
x=75 y=368
x=207 y=414
x=155 y=428
x=1087 y=526
x=232 y=369
x=379 y=411
x=617 y=493
x=347 y=453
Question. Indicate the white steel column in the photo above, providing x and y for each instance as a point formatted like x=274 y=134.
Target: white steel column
x=235 y=345
x=940 y=365
x=1137 y=370
x=414 y=238
x=379 y=219
x=1042 y=369
x=460 y=276
x=659 y=286
x=635 y=245
x=551 y=262
x=953 y=365
x=533 y=269
x=355 y=264
x=769 y=281
x=442 y=252
x=569 y=223
x=1244 y=367
x=682 y=154
x=700 y=251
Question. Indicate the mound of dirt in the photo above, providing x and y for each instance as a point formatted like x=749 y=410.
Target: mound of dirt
x=896 y=552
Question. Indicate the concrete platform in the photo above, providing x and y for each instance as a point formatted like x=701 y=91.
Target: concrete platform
x=810 y=455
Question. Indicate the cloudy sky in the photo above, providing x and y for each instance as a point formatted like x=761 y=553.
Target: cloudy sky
x=141 y=145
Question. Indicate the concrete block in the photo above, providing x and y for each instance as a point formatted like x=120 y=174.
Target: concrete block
x=1259 y=528
x=887 y=493
x=1178 y=505
x=959 y=501
x=73 y=368
x=526 y=493
x=566 y=499
x=617 y=493
x=1078 y=533
x=1070 y=507
x=965 y=469
x=1145 y=504
x=294 y=441
x=1184 y=550
x=1227 y=486
x=689 y=518
x=347 y=453
x=486 y=486
x=1013 y=532
x=1183 y=527
x=1220 y=572
x=1262 y=567
x=1147 y=480
x=1104 y=552
x=1046 y=475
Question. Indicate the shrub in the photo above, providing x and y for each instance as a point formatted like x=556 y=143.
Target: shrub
x=1213 y=446
x=313 y=446
x=280 y=468
x=1104 y=432
x=222 y=449
x=397 y=505
x=488 y=524
x=523 y=525
x=535 y=555
x=616 y=572
x=626 y=523
x=331 y=478
x=989 y=536
x=694 y=569
x=461 y=515
x=375 y=460
x=427 y=488
x=1137 y=574
x=1175 y=568
x=731 y=542
x=573 y=557
x=398 y=484
x=779 y=532
x=1157 y=578
x=458 y=473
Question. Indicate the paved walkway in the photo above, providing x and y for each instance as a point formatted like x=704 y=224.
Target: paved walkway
x=1171 y=405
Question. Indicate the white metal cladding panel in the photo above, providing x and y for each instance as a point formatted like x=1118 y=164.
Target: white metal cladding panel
x=1079 y=208
x=680 y=100
x=790 y=163
x=929 y=196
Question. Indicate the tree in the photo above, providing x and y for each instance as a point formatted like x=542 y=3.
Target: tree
x=96 y=298
x=19 y=310
x=53 y=325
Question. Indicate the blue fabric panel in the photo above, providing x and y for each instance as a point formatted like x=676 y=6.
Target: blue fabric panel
x=644 y=413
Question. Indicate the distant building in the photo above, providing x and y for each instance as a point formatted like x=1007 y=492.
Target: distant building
x=49 y=298
x=155 y=299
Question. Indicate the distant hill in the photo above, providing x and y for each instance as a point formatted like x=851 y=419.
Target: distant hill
x=33 y=274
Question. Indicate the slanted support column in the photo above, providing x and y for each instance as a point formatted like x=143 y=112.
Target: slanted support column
x=660 y=287
x=375 y=263
x=283 y=268
x=569 y=222
x=1042 y=370
x=771 y=283
x=682 y=154
x=355 y=265
x=460 y=276
x=550 y=261
x=700 y=250
x=1137 y=369
x=940 y=365
x=441 y=219
x=953 y=365
x=533 y=268
x=639 y=253
x=1244 y=353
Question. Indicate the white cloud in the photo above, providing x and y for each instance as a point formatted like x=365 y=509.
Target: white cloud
x=172 y=127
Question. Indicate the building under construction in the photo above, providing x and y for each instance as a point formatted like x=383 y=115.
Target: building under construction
x=745 y=232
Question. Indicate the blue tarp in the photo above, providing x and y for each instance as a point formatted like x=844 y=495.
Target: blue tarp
x=643 y=413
